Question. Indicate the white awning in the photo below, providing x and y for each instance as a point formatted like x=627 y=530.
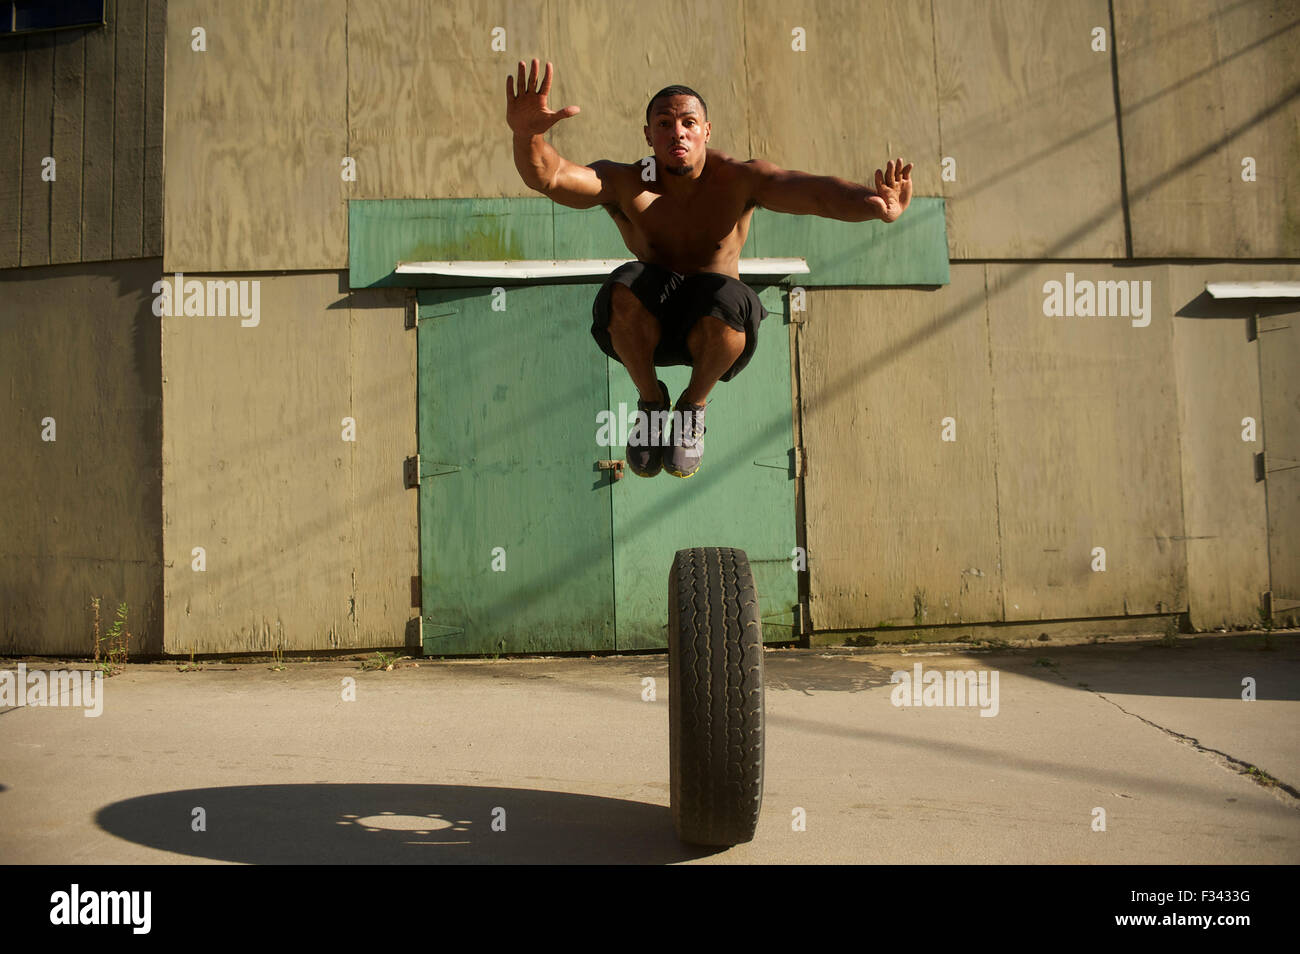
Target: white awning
x=1253 y=289
x=577 y=267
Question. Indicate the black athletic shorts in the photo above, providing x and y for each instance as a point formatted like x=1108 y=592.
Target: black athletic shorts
x=678 y=301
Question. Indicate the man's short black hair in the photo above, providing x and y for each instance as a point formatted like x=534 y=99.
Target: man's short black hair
x=676 y=90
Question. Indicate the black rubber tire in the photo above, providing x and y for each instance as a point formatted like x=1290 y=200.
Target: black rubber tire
x=715 y=696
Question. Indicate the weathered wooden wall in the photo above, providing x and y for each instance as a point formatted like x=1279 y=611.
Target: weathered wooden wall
x=92 y=99
x=1071 y=433
x=1204 y=84
x=1016 y=96
x=902 y=525
x=310 y=541
x=1087 y=449
x=426 y=94
x=1224 y=514
x=82 y=514
x=1027 y=124
x=257 y=129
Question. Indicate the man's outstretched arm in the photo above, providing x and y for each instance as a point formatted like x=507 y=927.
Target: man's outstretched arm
x=539 y=165
x=798 y=193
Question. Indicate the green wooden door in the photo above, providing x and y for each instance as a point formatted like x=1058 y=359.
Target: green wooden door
x=742 y=496
x=525 y=546
x=515 y=540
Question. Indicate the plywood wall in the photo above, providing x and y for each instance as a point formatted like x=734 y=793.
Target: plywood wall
x=309 y=541
x=1065 y=440
x=1217 y=366
x=1087 y=449
x=256 y=135
x=80 y=490
x=1016 y=100
x=1027 y=123
x=91 y=99
x=902 y=523
x=1206 y=85
x=426 y=94
x=1069 y=434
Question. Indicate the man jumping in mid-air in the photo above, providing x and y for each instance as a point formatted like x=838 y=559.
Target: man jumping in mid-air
x=681 y=302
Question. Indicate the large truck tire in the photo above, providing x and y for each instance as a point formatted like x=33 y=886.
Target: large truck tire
x=715 y=686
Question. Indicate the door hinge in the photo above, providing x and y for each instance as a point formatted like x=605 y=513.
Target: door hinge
x=1274 y=464
x=415 y=313
x=417 y=595
x=413 y=470
x=1265 y=465
x=791 y=462
x=432 y=630
x=442 y=309
x=1271 y=604
x=779 y=621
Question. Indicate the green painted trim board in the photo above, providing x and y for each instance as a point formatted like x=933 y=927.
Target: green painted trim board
x=383 y=232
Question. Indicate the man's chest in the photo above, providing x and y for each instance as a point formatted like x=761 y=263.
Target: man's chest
x=676 y=222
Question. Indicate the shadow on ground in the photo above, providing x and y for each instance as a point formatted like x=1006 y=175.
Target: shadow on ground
x=1204 y=666
x=1198 y=665
x=399 y=824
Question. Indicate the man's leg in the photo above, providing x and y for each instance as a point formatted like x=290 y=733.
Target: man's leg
x=635 y=332
x=714 y=347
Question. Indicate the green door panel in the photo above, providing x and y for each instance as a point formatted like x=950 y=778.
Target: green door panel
x=511 y=398
x=742 y=495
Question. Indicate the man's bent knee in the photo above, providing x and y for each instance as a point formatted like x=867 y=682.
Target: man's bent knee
x=712 y=332
x=623 y=299
x=714 y=327
x=627 y=311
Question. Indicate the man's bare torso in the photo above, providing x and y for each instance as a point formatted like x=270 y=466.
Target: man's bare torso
x=702 y=233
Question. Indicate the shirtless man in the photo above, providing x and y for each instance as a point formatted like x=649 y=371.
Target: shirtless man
x=681 y=302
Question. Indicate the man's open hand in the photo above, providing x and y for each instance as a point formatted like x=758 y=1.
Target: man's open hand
x=893 y=189
x=526 y=110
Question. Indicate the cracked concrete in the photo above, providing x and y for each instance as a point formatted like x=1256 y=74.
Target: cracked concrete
x=1237 y=765
x=575 y=757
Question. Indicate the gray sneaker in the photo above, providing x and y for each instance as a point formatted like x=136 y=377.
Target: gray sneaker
x=686 y=447
x=645 y=445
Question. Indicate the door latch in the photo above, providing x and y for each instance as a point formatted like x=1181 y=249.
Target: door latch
x=615 y=465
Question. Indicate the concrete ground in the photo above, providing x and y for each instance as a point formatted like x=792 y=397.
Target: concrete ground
x=566 y=760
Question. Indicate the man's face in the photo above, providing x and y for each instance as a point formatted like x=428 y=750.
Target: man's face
x=677 y=133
